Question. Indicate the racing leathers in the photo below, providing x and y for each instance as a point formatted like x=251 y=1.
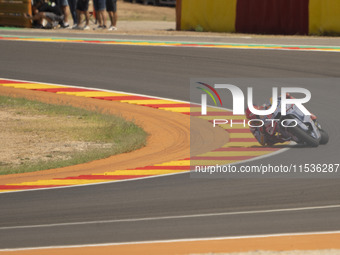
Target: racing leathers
x=264 y=138
x=266 y=132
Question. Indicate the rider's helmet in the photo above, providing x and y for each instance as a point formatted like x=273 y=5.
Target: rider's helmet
x=288 y=96
x=270 y=102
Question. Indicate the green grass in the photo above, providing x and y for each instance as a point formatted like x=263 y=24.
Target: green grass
x=64 y=124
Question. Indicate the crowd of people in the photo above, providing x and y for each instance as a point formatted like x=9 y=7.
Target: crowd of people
x=54 y=14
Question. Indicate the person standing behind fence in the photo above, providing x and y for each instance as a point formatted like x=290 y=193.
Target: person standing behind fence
x=82 y=8
x=111 y=8
x=73 y=9
x=63 y=5
x=99 y=6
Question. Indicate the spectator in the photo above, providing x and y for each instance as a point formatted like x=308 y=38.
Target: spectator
x=82 y=8
x=63 y=5
x=73 y=10
x=43 y=11
x=111 y=8
x=99 y=6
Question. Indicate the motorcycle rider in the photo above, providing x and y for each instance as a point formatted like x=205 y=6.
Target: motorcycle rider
x=260 y=133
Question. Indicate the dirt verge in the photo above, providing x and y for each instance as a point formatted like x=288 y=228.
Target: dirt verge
x=169 y=136
x=130 y=11
x=277 y=245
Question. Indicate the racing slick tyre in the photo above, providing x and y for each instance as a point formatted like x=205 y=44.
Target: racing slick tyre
x=324 y=137
x=305 y=137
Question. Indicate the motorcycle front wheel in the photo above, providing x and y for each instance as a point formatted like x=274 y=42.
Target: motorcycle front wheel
x=324 y=137
x=304 y=137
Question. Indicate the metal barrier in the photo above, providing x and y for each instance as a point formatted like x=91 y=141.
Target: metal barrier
x=289 y=17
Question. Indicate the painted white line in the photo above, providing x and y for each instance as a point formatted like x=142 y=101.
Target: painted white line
x=177 y=240
x=136 y=179
x=175 y=217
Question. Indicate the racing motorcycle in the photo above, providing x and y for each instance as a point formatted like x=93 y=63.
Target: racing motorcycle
x=297 y=127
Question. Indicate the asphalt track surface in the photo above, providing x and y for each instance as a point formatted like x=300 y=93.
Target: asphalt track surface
x=135 y=211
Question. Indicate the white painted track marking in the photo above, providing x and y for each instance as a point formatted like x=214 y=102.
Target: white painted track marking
x=174 y=217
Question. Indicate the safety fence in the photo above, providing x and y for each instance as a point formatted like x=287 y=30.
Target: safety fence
x=260 y=16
